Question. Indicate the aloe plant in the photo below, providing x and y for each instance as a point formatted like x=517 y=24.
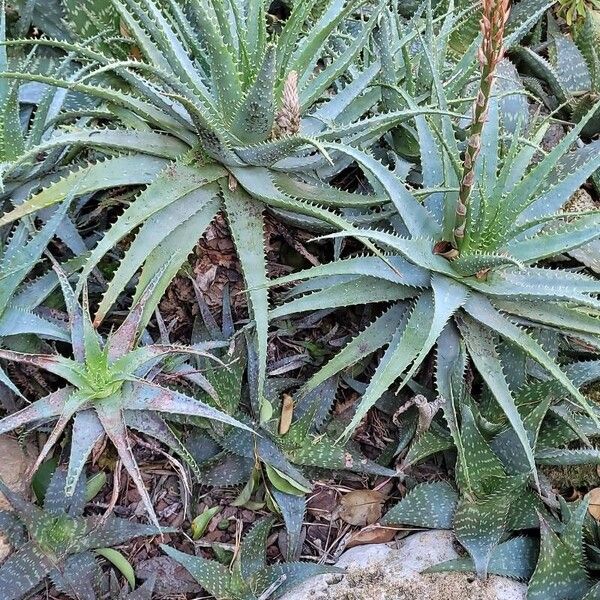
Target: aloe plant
x=555 y=568
x=273 y=464
x=272 y=461
x=466 y=269
x=560 y=571
x=20 y=254
x=109 y=389
x=407 y=47
x=66 y=19
x=493 y=497
x=31 y=114
x=416 y=52
x=571 y=71
x=553 y=424
x=58 y=542
x=17 y=139
x=249 y=577
x=305 y=442
x=219 y=114
x=566 y=432
x=488 y=290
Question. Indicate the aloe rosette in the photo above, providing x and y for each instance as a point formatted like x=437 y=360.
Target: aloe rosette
x=218 y=114
x=57 y=541
x=110 y=389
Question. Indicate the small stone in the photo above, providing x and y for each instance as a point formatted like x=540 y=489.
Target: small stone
x=14 y=464
x=223 y=524
x=594 y=506
x=248 y=516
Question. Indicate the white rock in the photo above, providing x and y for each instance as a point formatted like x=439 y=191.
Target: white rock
x=387 y=572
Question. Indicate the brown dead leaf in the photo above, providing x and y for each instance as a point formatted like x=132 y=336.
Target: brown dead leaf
x=13 y=467
x=371 y=534
x=4 y=548
x=322 y=502
x=171 y=577
x=134 y=52
x=205 y=279
x=287 y=412
x=361 y=507
x=594 y=507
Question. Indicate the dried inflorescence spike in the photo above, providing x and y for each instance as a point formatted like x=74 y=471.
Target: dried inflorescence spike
x=426 y=410
x=491 y=51
x=287 y=121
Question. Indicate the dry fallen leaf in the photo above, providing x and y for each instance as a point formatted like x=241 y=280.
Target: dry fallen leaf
x=594 y=507
x=134 y=52
x=13 y=466
x=322 y=503
x=371 y=534
x=287 y=412
x=361 y=507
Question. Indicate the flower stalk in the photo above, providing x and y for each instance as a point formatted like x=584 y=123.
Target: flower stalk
x=491 y=51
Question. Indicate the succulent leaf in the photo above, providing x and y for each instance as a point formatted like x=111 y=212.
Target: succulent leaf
x=514 y=558
x=250 y=578
x=426 y=505
x=559 y=571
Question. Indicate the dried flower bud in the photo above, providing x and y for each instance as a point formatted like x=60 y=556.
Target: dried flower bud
x=287 y=121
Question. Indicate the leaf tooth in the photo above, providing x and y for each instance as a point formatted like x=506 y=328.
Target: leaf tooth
x=208 y=476
x=137 y=289
x=319 y=185
x=74 y=174
x=58 y=43
x=305 y=273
